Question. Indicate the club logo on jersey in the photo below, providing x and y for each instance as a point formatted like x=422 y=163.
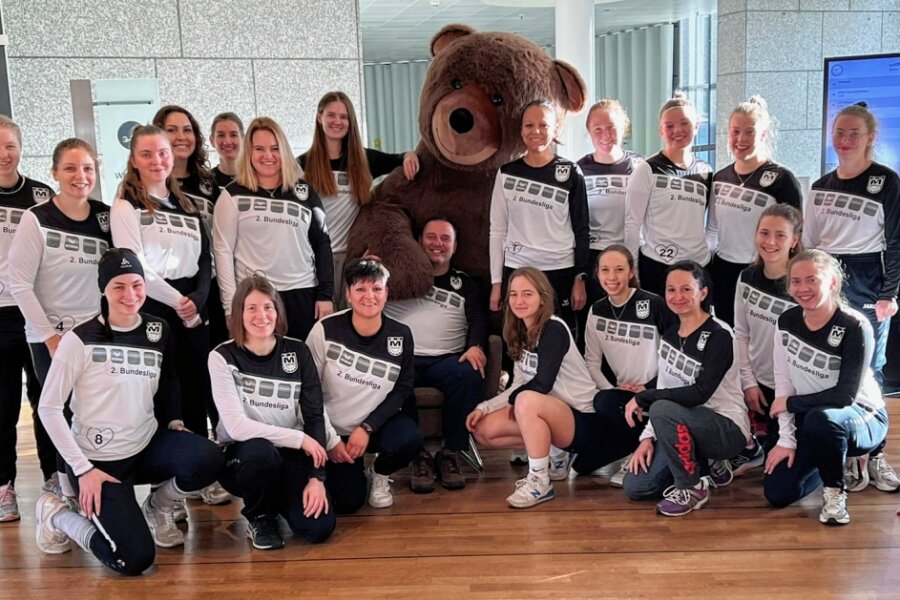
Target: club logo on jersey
x=768 y=178
x=154 y=331
x=835 y=336
x=301 y=190
x=289 y=362
x=642 y=308
x=103 y=220
x=701 y=341
x=876 y=182
x=562 y=172
x=40 y=195
x=455 y=282
x=395 y=346
x=205 y=187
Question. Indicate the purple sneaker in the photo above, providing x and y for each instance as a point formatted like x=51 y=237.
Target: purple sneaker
x=677 y=502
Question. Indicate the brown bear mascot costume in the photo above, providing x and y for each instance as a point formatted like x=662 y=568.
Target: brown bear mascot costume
x=469 y=120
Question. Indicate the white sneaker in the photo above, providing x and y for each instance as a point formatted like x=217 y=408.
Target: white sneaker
x=52 y=486
x=856 y=473
x=162 y=524
x=50 y=540
x=380 y=495
x=9 y=508
x=834 y=508
x=618 y=478
x=530 y=491
x=560 y=466
x=881 y=474
x=214 y=494
x=179 y=511
x=518 y=457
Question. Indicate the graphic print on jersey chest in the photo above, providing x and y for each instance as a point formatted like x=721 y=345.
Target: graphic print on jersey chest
x=763 y=306
x=444 y=298
x=127 y=361
x=270 y=210
x=9 y=218
x=606 y=184
x=811 y=362
x=77 y=249
x=679 y=365
x=682 y=190
x=843 y=205
x=355 y=367
x=739 y=198
x=533 y=193
x=171 y=224
x=265 y=394
x=623 y=332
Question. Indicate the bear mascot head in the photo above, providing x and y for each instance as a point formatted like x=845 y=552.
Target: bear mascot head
x=470 y=110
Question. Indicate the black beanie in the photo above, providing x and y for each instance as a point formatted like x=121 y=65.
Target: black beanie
x=115 y=262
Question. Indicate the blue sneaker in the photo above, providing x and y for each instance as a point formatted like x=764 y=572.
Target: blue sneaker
x=531 y=491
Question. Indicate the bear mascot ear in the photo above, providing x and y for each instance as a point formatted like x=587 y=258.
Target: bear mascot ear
x=574 y=90
x=448 y=35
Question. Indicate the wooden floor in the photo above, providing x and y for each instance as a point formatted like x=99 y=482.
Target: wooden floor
x=590 y=542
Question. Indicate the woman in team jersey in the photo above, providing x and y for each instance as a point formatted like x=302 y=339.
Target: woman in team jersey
x=827 y=401
x=125 y=430
x=539 y=216
x=272 y=420
x=667 y=198
x=270 y=221
x=696 y=413
x=226 y=136
x=760 y=298
x=341 y=169
x=622 y=340
x=741 y=192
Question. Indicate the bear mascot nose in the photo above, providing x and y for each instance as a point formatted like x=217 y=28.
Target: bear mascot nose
x=461 y=120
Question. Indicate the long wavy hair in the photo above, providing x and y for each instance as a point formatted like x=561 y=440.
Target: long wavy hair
x=198 y=161
x=132 y=188
x=519 y=338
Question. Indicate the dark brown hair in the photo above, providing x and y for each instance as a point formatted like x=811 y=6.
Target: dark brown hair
x=198 y=161
x=518 y=338
x=254 y=283
x=791 y=215
x=633 y=281
x=132 y=188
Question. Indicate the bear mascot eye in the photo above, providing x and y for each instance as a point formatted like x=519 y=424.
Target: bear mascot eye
x=497 y=100
x=457 y=84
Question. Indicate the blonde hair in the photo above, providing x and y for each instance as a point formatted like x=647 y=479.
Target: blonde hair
x=612 y=106
x=7 y=123
x=756 y=108
x=861 y=110
x=290 y=170
x=132 y=188
x=680 y=100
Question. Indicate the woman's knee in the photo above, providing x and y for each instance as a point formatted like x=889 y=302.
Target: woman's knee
x=316 y=531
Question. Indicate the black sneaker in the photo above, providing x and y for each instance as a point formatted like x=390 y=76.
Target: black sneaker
x=263 y=533
x=748 y=459
x=446 y=463
x=422 y=480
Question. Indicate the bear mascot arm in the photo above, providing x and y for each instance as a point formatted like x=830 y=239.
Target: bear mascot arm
x=469 y=120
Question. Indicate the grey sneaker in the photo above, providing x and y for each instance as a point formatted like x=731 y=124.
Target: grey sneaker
x=214 y=495
x=881 y=474
x=618 y=478
x=162 y=524
x=179 y=511
x=50 y=540
x=720 y=473
x=380 y=495
x=52 y=486
x=560 y=466
x=531 y=491
x=856 y=473
x=9 y=508
x=834 y=508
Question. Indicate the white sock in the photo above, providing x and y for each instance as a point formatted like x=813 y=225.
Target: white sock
x=558 y=454
x=65 y=486
x=166 y=495
x=76 y=527
x=540 y=468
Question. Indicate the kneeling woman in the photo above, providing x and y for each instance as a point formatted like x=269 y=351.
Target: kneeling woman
x=697 y=410
x=827 y=401
x=270 y=404
x=126 y=429
x=551 y=399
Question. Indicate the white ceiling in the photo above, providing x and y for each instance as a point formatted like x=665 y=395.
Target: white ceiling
x=399 y=30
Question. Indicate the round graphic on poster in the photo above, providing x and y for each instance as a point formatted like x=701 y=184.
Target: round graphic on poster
x=124 y=133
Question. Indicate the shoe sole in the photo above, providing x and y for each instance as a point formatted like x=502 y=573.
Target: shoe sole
x=885 y=488
x=747 y=466
x=549 y=496
x=10 y=518
x=422 y=489
x=453 y=485
x=213 y=502
x=831 y=521
x=699 y=505
x=388 y=505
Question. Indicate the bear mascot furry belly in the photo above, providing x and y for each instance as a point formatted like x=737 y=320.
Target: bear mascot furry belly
x=475 y=91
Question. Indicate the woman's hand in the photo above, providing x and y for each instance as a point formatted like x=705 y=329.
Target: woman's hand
x=315 y=501
x=642 y=457
x=634 y=414
x=634 y=388
x=495 y=297
x=472 y=420
x=579 y=295
x=779 y=405
x=186 y=309
x=339 y=454
x=410 y=165
x=52 y=342
x=776 y=455
x=755 y=400
x=323 y=309
x=357 y=443
x=90 y=487
x=314 y=450
x=885 y=309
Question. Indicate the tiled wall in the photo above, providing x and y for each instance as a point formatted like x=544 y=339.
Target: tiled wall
x=272 y=58
x=776 y=48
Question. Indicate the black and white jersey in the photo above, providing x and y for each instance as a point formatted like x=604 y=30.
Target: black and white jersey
x=758 y=302
x=606 y=185
x=449 y=319
x=221 y=178
x=53 y=267
x=700 y=370
x=203 y=192
x=622 y=342
x=276 y=397
x=665 y=206
x=553 y=367
x=14 y=202
x=826 y=367
x=738 y=203
x=364 y=379
x=122 y=389
x=281 y=235
x=858 y=216
x=342 y=209
x=539 y=218
x=172 y=245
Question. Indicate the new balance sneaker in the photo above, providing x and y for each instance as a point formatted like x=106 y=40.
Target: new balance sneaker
x=530 y=491
x=50 y=540
x=9 y=507
x=881 y=474
x=263 y=534
x=618 y=478
x=446 y=463
x=678 y=502
x=162 y=524
x=518 y=457
x=214 y=495
x=560 y=466
x=380 y=495
x=856 y=473
x=749 y=458
x=422 y=479
x=720 y=473
x=834 y=507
